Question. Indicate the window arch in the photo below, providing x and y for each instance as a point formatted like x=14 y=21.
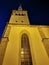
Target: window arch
x=25 y=50
x=24 y=41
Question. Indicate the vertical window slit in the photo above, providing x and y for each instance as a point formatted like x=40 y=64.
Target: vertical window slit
x=25 y=51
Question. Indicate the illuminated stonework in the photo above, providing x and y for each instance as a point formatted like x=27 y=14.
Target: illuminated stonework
x=22 y=43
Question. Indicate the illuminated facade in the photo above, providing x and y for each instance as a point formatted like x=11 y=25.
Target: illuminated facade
x=22 y=43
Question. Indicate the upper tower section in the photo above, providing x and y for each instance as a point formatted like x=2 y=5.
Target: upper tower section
x=19 y=16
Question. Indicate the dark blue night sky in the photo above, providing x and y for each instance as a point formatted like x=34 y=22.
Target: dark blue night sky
x=38 y=11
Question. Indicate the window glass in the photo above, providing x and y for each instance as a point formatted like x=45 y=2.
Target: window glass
x=25 y=51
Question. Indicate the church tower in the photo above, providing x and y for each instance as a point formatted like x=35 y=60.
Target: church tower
x=19 y=17
x=22 y=43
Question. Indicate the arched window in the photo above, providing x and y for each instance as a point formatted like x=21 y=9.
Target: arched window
x=25 y=50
